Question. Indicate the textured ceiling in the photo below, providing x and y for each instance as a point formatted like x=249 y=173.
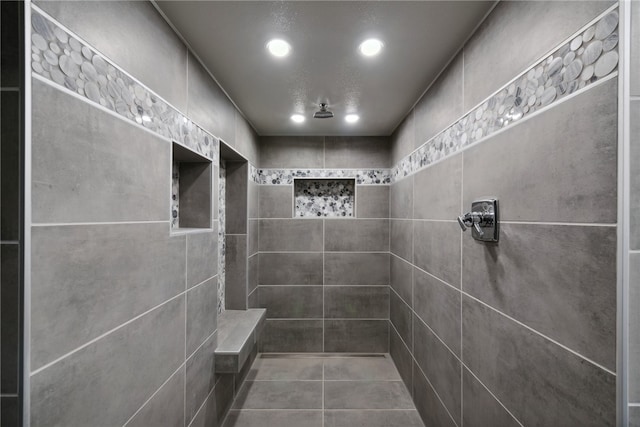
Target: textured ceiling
x=420 y=37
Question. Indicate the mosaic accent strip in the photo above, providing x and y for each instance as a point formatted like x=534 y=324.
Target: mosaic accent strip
x=63 y=59
x=324 y=198
x=287 y=176
x=222 y=242
x=590 y=56
x=175 y=194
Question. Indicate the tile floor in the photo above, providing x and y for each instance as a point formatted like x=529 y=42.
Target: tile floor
x=323 y=392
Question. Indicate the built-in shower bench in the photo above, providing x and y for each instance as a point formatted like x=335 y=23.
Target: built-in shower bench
x=238 y=332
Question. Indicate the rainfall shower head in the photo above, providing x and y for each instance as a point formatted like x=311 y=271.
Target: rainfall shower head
x=324 y=113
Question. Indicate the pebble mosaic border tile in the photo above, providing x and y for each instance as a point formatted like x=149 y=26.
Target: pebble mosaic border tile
x=175 y=194
x=324 y=198
x=287 y=176
x=62 y=58
x=590 y=56
x=222 y=242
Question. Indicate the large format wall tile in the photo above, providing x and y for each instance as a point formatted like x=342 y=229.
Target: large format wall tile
x=401 y=279
x=290 y=235
x=634 y=416
x=253 y=236
x=291 y=301
x=401 y=199
x=290 y=269
x=437 y=190
x=565 y=161
x=119 y=173
x=543 y=384
x=201 y=313
x=208 y=106
x=246 y=141
x=236 y=194
x=480 y=409
x=428 y=404
x=402 y=358
x=635 y=53
x=88 y=385
x=236 y=264
x=356 y=269
x=292 y=152
x=358 y=302
x=441 y=105
x=367 y=235
x=369 y=152
x=440 y=366
x=490 y=59
x=356 y=336
x=140 y=266
x=401 y=235
x=276 y=201
x=402 y=139
x=165 y=408
x=292 y=336
x=134 y=36
x=372 y=201
x=202 y=257
x=200 y=377
x=437 y=249
x=634 y=328
x=438 y=305
x=634 y=172
x=400 y=317
x=573 y=302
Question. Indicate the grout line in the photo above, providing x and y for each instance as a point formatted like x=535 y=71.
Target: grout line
x=635 y=405
x=109 y=332
x=543 y=336
x=10 y=89
x=9 y=242
x=434 y=390
x=323 y=380
x=154 y=393
x=491 y=393
x=213 y=389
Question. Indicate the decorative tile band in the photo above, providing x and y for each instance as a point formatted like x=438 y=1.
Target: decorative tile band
x=324 y=198
x=62 y=58
x=590 y=56
x=222 y=241
x=287 y=176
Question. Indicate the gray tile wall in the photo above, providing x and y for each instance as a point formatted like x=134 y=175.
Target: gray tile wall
x=324 y=282
x=634 y=238
x=522 y=332
x=123 y=312
x=11 y=202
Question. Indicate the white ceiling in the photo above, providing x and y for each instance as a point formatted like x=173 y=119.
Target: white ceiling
x=420 y=38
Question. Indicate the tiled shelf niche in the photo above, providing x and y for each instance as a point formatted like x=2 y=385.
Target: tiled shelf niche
x=190 y=190
x=335 y=198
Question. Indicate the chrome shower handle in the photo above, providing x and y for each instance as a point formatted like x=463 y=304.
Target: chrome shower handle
x=471 y=219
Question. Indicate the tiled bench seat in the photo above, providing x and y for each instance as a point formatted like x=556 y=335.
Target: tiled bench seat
x=238 y=332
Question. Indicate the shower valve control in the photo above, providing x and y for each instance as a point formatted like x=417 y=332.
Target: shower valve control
x=483 y=219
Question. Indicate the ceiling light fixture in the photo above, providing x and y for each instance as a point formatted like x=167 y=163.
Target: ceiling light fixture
x=297 y=118
x=279 y=48
x=352 y=118
x=370 y=47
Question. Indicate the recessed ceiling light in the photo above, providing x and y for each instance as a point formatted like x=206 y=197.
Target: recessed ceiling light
x=279 y=48
x=370 y=47
x=351 y=118
x=298 y=118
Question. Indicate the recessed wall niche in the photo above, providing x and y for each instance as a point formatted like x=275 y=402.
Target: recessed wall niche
x=324 y=198
x=191 y=189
